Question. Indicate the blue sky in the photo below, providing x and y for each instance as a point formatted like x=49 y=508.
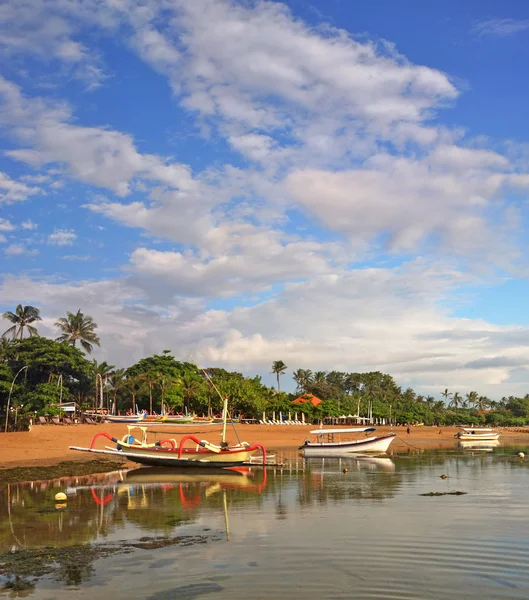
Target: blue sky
x=333 y=184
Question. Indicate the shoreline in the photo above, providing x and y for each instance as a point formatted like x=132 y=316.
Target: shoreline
x=45 y=447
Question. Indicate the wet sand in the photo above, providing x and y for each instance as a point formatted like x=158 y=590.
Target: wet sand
x=48 y=445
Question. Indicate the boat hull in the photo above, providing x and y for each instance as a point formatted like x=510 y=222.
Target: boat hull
x=168 y=458
x=478 y=437
x=373 y=444
x=116 y=419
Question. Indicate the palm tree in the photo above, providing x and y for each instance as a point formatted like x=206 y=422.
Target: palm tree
x=303 y=378
x=22 y=318
x=472 y=398
x=100 y=371
x=446 y=394
x=278 y=368
x=456 y=400
x=118 y=380
x=191 y=387
x=78 y=327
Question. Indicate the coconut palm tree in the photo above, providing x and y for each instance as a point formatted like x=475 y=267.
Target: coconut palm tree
x=446 y=394
x=118 y=380
x=22 y=319
x=278 y=368
x=303 y=378
x=78 y=327
x=456 y=401
x=472 y=398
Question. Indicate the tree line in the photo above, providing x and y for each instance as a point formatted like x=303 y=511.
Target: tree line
x=50 y=371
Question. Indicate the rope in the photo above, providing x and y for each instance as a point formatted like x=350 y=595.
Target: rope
x=407 y=444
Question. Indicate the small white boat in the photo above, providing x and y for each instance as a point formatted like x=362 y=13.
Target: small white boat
x=125 y=418
x=335 y=442
x=478 y=433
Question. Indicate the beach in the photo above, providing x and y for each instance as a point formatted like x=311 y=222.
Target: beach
x=47 y=445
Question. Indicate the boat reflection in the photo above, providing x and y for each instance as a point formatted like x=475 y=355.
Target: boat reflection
x=148 y=499
x=355 y=462
x=483 y=445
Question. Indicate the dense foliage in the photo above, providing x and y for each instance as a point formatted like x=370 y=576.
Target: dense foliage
x=39 y=372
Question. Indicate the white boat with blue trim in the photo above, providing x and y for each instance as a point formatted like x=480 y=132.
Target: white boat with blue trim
x=335 y=442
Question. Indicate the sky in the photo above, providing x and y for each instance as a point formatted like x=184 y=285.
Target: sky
x=338 y=185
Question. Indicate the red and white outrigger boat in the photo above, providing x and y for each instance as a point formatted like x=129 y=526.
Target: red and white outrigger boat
x=329 y=442
x=173 y=453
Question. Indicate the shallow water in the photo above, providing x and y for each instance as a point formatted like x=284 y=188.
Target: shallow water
x=307 y=531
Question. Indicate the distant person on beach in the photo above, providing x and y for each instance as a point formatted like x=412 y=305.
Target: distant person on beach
x=408 y=431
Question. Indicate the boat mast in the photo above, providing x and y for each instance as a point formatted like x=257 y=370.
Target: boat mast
x=224 y=418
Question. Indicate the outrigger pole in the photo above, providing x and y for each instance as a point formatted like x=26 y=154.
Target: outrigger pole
x=224 y=400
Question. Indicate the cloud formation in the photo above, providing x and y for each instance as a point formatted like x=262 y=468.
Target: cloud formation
x=332 y=158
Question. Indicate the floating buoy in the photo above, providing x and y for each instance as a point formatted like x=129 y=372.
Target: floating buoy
x=443 y=476
x=346 y=471
x=521 y=455
x=61 y=497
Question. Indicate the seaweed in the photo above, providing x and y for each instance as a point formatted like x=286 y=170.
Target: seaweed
x=457 y=493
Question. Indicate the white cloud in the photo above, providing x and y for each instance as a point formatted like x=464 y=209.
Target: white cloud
x=500 y=27
x=253 y=261
x=6 y=225
x=19 y=250
x=62 y=237
x=444 y=193
x=3 y=239
x=44 y=30
x=28 y=224
x=14 y=191
x=386 y=319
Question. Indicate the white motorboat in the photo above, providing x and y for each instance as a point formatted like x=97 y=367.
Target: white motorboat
x=478 y=433
x=335 y=442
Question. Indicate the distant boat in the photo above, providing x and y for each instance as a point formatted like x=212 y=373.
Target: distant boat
x=335 y=442
x=124 y=418
x=477 y=433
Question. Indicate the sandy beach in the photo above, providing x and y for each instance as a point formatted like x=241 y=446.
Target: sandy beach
x=47 y=445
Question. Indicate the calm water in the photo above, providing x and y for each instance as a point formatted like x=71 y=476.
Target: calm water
x=309 y=531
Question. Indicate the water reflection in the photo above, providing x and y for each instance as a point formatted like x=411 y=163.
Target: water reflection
x=337 y=515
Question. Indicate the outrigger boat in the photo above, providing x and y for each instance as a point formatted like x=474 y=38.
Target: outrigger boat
x=477 y=433
x=329 y=442
x=171 y=453
x=125 y=418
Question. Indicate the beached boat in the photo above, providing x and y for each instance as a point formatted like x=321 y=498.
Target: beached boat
x=478 y=433
x=124 y=418
x=173 y=453
x=335 y=442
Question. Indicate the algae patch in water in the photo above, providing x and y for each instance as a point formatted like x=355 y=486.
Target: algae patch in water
x=444 y=494
x=73 y=564
x=62 y=469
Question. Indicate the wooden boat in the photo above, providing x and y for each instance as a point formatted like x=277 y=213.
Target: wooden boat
x=335 y=442
x=169 y=419
x=171 y=453
x=124 y=418
x=478 y=433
